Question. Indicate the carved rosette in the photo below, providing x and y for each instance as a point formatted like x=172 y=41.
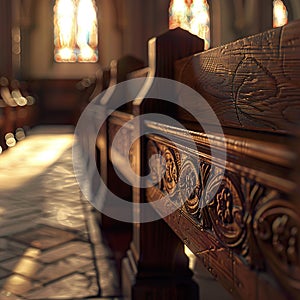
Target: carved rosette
x=226 y=210
x=165 y=165
x=277 y=229
x=190 y=187
x=172 y=167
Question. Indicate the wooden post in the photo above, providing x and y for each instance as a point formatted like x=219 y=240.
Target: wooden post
x=156 y=266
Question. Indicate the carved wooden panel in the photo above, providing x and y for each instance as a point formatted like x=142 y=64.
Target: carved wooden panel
x=244 y=227
x=253 y=83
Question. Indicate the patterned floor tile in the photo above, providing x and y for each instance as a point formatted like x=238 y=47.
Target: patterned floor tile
x=72 y=248
x=15 y=211
x=23 y=266
x=15 y=228
x=61 y=268
x=44 y=237
x=20 y=219
x=17 y=284
x=108 y=278
x=4 y=273
x=75 y=286
x=51 y=247
x=5 y=255
x=8 y=296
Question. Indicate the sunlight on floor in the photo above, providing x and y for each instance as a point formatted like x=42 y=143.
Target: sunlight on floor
x=30 y=158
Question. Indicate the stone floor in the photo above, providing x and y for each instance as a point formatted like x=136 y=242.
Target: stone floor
x=50 y=244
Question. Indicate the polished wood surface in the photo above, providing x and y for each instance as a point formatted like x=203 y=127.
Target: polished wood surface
x=242 y=224
x=252 y=83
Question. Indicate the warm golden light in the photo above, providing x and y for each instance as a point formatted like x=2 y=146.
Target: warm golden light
x=87 y=54
x=11 y=142
x=199 y=24
x=87 y=22
x=18 y=98
x=22 y=163
x=76 y=31
x=20 y=134
x=191 y=256
x=28 y=266
x=179 y=15
x=192 y=16
x=280 y=14
x=65 y=19
x=65 y=54
x=64 y=24
x=7 y=97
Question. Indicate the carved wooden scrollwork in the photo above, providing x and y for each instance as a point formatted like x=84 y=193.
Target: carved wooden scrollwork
x=190 y=187
x=277 y=230
x=256 y=222
x=226 y=209
x=192 y=182
x=166 y=166
x=171 y=163
x=171 y=174
x=253 y=192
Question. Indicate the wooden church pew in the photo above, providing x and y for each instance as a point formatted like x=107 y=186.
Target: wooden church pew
x=247 y=235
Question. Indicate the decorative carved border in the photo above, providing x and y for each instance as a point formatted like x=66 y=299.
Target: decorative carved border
x=258 y=223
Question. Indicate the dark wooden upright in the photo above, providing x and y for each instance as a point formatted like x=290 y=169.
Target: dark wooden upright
x=156 y=266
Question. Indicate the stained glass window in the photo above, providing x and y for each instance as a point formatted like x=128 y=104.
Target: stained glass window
x=191 y=15
x=280 y=13
x=75 y=31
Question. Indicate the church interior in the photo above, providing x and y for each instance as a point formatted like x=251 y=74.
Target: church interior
x=149 y=149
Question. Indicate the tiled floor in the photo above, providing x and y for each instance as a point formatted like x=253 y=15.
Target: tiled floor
x=50 y=244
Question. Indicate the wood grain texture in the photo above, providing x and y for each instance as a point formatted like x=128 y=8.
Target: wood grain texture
x=253 y=83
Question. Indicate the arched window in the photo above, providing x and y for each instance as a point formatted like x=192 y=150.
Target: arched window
x=191 y=15
x=280 y=13
x=75 y=31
